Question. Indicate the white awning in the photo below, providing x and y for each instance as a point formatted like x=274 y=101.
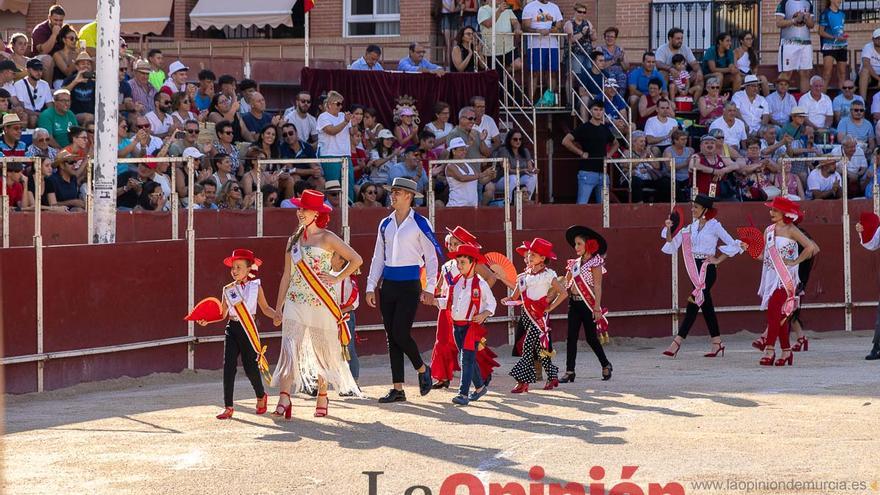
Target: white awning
x=15 y=6
x=136 y=17
x=233 y=13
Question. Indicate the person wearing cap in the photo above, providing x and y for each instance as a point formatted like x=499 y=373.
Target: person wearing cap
x=532 y=289
x=33 y=92
x=869 y=75
x=785 y=248
x=711 y=168
x=383 y=158
x=81 y=85
x=11 y=144
x=176 y=82
x=411 y=169
x=751 y=107
x=314 y=335
x=616 y=107
x=58 y=119
x=699 y=242
x=8 y=72
x=405 y=243
x=16 y=183
x=142 y=92
x=461 y=177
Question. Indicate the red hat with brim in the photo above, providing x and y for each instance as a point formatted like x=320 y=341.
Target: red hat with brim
x=538 y=246
x=242 y=254
x=464 y=236
x=788 y=207
x=312 y=200
x=470 y=251
x=870 y=223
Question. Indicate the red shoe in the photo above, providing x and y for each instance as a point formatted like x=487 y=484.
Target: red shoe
x=714 y=353
x=551 y=384
x=285 y=411
x=262 y=404
x=520 y=388
x=321 y=411
x=802 y=345
x=789 y=360
x=226 y=414
x=760 y=343
x=673 y=354
x=767 y=360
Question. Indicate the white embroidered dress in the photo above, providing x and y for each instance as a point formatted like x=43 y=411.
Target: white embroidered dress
x=770 y=280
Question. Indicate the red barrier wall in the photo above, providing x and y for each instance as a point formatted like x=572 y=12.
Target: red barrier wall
x=131 y=292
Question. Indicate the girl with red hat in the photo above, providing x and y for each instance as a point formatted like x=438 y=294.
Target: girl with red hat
x=239 y=304
x=869 y=234
x=779 y=276
x=699 y=243
x=532 y=288
x=314 y=336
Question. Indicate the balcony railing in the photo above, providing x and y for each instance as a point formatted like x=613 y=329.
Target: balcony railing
x=702 y=20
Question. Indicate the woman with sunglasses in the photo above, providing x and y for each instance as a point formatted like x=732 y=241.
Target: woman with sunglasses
x=712 y=103
x=65 y=58
x=152 y=198
x=222 y=108
x=79 y=142
x=746 y=59
x=180 y=106
x=367 y=196
x=230 y=197
x=334 y=138
x=225 y=144
x=522 y=170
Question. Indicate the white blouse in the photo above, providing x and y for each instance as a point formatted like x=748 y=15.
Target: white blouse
x=535 y=286
x=249 y=292
x=704 y=241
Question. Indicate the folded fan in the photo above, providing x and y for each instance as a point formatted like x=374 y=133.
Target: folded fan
x=754 y=238
x=501 y=266
x=207 y=309
x=870 y=222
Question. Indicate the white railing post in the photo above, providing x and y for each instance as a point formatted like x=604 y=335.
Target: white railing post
x=847 y=262
x=606 y=197
x=90 y=202
x=175 y=204
x=190 y=262
x=508 y=246
x=259 y=198
x=38 y=256
x=4 y=206
x=346 y=228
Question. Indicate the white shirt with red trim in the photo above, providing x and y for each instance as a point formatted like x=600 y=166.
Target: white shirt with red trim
x=462 y=297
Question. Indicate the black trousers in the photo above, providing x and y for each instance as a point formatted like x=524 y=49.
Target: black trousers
x=237 y=343
x=708 y=307
x=398 y=302
x=580 y=315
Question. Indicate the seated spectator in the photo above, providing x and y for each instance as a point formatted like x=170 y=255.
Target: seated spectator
x=465 y=130
x=222 y=108
x=522 y=170
x=820 y=112
x=81 y=85
x=483 y=122
x=65 y=182
x=691 y=70
x=270 y=196
x=223 y=173
x=718 y=62
x=755 y=178
x=188 y=137
x=370 y=60
x=298 y=115
x=647 y=177
x=180 y=110
x=40 y=146
x=205 y=92
x=18 y=50
x=427 y=147
x=406 y=131
x=793 y=188
x=591 y=141
x=11 y=144
x=648 y=102
x=79 y=142
x=249 y=179
x=681 y=153
x=615 y=57
x=230 y=197
x=16 y=183
x=33 y=92
x=616 y=108
x=227 y=86
x=371 y=128
x=824 y=181
x=161 y=122
x=841 y=103
x=359 y=157
x=146 y=144
x=142 y=92
x=711 y=104
x=659 y=129
x=257 y=118
x=224 y=145
x=64 y=59
x=267 y=141
x=157 y=73
x=294 y=147
x=382 y=158
x=47 y=36
x=209 y=187
x=734 y=129
x=440 y=126
x=246 y=89
x=416 y=61
x=8 y=71
x=176 y=82
x=857 y=127
x=589 y=83
x=298 y=189
x=462 y=177
x=771 y=147
x=869 y=76
x=854 y=162
x=780 y=103
x=712 y=169
x=411 y=168
x=680 y=80
x=367 y=196
x=640 y=78
x=152 y=198
x=751 y=107
x=746 y=57
x=47 y=191
x=198 y=197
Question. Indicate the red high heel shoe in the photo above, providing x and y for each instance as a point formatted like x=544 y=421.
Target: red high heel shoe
x=520 y=388
x=760 y=343
x=789 y=360
x=262 y=404
x=714 y=353
x=673 y=354
x=551 y=384
x=802 y=345
x=767 y=360
x=321 y=411
x=226 y=414
x=286 y=411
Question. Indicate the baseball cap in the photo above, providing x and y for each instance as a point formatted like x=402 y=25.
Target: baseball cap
x=35 y=64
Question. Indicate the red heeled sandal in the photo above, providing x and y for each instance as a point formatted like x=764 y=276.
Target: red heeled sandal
x=321 y=411
x=520 y=388
x=262 y=404
x=715 y=353
x=786 y=360
x=671 y=354
x=760 y=343
x=226 y=414
x=767 y=360
x=551 y=384
x=802 y=345
x=285 y=411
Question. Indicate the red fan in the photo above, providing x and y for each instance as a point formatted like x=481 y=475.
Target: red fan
x=754 y=238
x=870 y=222
x=207 y=309
x=501 y=266
x=678 y=219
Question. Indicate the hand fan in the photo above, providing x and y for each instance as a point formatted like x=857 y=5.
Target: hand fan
x=501 y=266
x=207 y=309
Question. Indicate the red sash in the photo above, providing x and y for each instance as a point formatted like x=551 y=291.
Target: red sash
x=698 y=278
x=476 y=332
x=586 y=293
x=536 y=310
x=791 y=301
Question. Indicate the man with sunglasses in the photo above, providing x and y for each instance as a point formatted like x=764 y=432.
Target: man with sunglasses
x=466 y=130
x=32 y=91
x=64 y=181
x=298 y=115
x=58 y=119
x=842 y=102
x=11 y=144
x=857 y=127
x=190 y=140
x=147 y=144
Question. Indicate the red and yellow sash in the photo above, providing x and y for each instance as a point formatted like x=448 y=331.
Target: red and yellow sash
x=324 y=296
x=233 y=293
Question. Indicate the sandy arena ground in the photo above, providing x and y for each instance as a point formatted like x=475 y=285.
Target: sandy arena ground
x=686 y=420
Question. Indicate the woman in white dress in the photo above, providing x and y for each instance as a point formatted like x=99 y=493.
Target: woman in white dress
x=311 y=351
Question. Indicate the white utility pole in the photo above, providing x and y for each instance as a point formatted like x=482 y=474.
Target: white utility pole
x=106 y=123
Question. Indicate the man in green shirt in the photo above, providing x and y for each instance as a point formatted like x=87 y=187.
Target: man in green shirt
x=58 y=119
x=157 y=75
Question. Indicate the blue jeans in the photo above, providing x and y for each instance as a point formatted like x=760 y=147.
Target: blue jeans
x=354 y=364
x=589 y=183
x=470 y=372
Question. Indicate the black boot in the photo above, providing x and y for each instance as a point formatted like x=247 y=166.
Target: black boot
x=875 y=352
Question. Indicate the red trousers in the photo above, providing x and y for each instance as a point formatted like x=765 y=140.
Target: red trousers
x=777 y=323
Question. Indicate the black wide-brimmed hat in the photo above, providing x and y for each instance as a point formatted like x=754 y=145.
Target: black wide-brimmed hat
x=708 y=203
x=587 y=233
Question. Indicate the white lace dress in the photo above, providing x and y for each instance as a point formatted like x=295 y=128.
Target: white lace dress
x=770 y=280
x=309 y=335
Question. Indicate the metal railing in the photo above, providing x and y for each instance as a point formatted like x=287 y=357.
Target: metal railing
x=702 y=20
x=5 y=206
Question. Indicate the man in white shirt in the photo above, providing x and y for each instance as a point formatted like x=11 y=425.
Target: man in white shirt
x=870 y=73
x=751 y=107
x=820 y=111
x=298 y=115
x=734 y=129
x=659 y=128
x=543 y=17
x=780 y=103
x=854 y=162
x=33 y=92
x=404 y=244
x=483 y=122
x=824 y=181
x=160 y=119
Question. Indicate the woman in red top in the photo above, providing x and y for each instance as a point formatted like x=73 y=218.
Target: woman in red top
x=710 y=167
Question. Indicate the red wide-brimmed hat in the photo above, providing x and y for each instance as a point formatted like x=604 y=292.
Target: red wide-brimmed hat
x=464 y=236
x=870 y=223
x=312 y=200
x=469 y=250
x=242 y=254
x=539 y=246
x=788 y=207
